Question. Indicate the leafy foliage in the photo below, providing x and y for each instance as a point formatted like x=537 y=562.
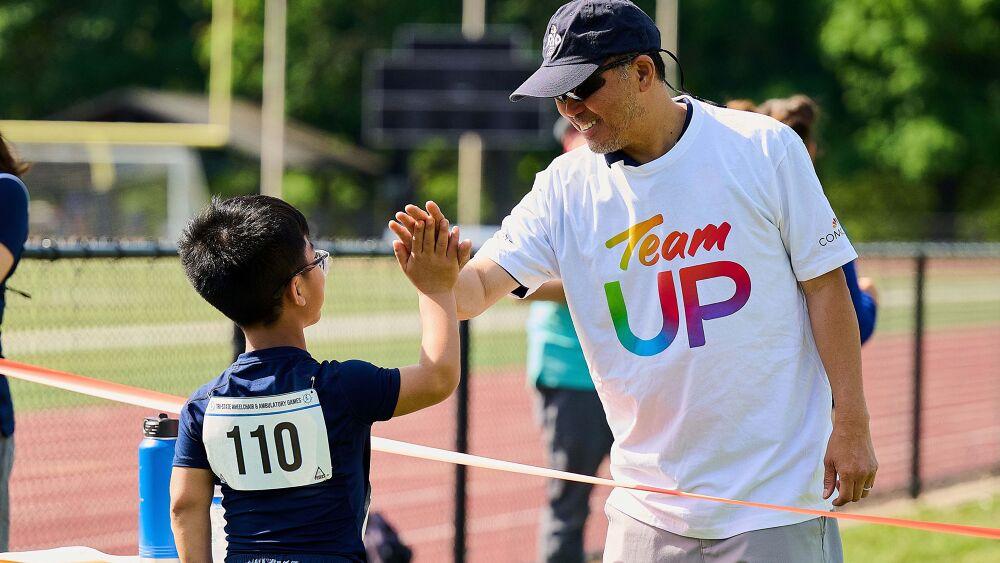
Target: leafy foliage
x=911 y=106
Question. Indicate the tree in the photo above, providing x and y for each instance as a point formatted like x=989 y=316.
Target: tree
x=917 y=74
x=54 y=53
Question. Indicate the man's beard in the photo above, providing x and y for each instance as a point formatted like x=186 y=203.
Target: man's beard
x=630 y=112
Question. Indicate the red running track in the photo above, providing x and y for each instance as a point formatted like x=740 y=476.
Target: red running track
x=74 y=480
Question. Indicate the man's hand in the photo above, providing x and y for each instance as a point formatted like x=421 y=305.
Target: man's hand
x=479 y=286
x=406 y=221
x=850 y=462
x=431 y=261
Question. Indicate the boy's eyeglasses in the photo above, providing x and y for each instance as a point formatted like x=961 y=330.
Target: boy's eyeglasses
x=322 y=261
x=594 y=82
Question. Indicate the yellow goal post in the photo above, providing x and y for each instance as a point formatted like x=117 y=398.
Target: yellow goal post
x=214 y=133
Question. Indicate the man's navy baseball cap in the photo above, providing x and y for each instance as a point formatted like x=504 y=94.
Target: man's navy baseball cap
x=580 y=36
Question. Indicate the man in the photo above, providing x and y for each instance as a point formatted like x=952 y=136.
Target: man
x=701 y=264
x=574 y=428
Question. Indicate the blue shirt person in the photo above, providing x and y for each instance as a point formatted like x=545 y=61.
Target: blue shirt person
x=288 y=437
x=324 y=518
x=13 y=234
x=864 y=302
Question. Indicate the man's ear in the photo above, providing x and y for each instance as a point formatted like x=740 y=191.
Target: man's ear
x=646 y=71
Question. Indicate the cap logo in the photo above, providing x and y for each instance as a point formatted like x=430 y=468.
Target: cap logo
x=552 y=42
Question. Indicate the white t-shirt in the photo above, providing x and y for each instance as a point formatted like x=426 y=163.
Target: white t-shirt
x=681 y=276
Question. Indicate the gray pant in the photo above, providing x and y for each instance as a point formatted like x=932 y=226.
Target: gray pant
x=812 y=541
x=6 y=464
x=577 y=439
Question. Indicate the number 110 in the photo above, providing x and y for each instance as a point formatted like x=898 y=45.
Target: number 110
x=279 y=443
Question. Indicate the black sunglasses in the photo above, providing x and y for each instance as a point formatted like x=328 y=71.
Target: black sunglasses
x=594 y=82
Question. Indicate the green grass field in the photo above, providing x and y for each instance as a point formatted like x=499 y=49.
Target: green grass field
x=137 y=321
x=883 y=544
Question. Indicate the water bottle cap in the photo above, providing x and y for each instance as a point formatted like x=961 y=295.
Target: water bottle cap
x=159 y=427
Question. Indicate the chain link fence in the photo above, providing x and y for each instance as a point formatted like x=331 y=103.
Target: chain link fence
x=125 y=312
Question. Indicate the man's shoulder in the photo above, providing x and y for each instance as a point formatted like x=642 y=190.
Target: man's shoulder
x=761 y=131
x=579 y=158
x=572 y=165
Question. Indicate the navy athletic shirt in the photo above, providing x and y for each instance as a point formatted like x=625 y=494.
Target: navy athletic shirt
x=322 y=519
x=13 y=233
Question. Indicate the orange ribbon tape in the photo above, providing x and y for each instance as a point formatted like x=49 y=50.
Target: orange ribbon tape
x=172 y=404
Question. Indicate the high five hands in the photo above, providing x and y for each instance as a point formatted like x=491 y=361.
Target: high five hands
x=428 y=252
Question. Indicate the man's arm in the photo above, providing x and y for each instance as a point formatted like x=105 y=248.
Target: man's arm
x=850 y=455
x=481 y=284
x=549 y=291
x=190 y=500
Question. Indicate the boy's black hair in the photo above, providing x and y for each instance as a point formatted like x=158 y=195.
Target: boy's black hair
x=239 y=252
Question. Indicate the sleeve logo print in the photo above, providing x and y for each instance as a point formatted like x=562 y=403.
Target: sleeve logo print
x=832 y=236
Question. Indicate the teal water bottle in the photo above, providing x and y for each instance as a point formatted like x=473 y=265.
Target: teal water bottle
x=156 y=459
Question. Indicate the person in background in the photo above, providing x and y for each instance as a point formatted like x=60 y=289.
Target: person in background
x=742 y=105
x=575 y=430
x=13 y=234
x=800 y=113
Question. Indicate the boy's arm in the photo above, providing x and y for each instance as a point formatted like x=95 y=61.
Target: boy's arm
x=435 y=376
x=190 y=500
x=431 y=263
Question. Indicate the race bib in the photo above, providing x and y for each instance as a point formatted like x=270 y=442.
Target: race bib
x=263 y=443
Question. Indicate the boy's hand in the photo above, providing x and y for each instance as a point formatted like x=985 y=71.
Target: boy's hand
x=431 y=260
x=404 y=228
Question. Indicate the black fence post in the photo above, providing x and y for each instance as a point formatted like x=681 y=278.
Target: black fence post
x=918 y=369
x=462 y=442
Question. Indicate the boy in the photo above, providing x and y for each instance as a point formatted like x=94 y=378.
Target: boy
x=287 y=436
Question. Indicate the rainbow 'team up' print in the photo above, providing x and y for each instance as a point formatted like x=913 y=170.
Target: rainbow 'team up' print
x=695 y=313
x=619 y=316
